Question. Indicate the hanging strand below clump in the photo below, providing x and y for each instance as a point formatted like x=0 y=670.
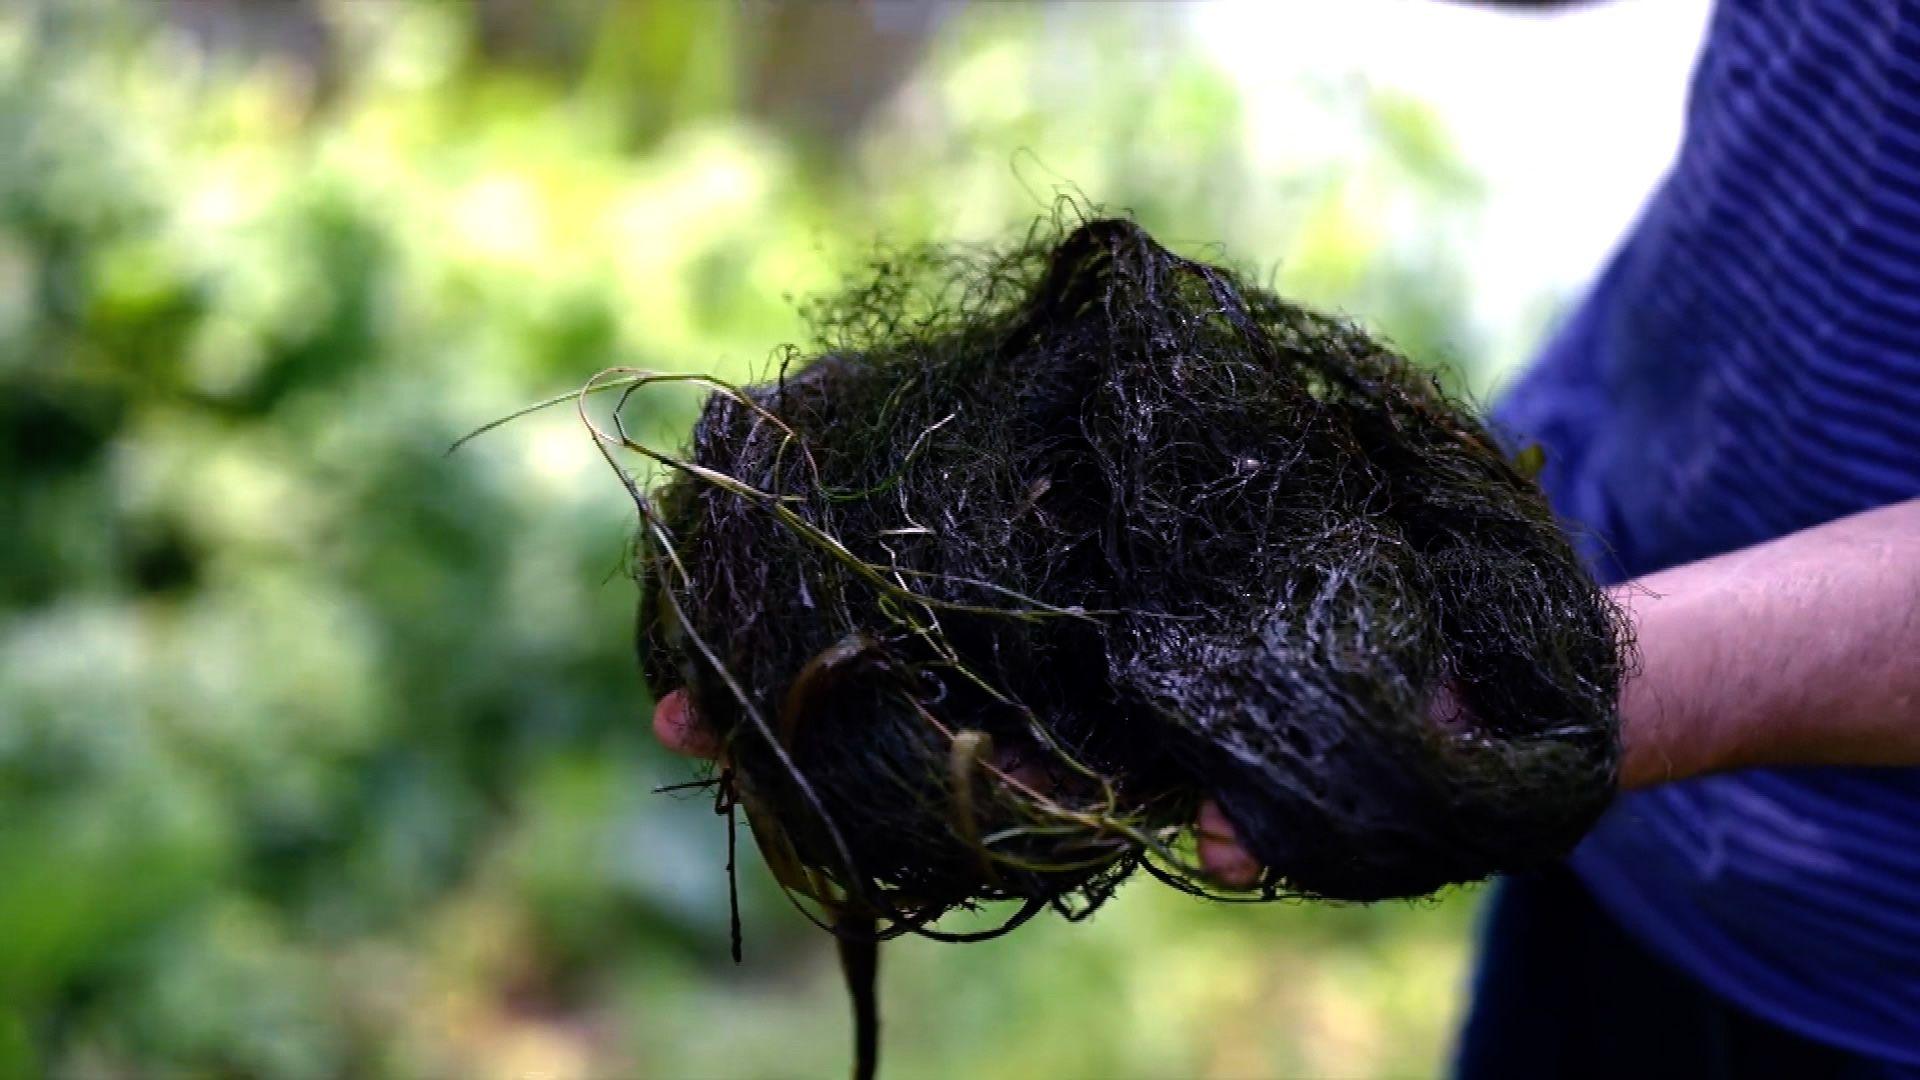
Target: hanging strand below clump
x=859 y=946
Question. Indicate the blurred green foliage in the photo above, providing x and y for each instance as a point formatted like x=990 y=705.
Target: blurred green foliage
x=324 y=752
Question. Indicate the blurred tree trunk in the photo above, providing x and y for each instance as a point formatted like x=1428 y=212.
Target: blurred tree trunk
x=814 y=69
x=823 y=68
x=292 y=30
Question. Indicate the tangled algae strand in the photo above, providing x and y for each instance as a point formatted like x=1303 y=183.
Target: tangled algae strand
x=1041 y=549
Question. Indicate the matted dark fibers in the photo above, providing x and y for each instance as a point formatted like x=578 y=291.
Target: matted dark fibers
x=1040 y=550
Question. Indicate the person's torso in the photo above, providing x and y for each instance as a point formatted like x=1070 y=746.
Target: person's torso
x=1748 y=366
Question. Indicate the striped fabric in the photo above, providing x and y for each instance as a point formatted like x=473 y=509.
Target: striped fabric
x=1749 y=365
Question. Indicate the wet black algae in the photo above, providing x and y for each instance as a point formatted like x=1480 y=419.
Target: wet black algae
x=1038 y=550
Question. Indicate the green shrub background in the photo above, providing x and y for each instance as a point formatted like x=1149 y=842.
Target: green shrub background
x=323 y=752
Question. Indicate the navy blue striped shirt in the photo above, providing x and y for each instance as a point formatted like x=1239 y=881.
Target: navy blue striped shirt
x=1749 y=365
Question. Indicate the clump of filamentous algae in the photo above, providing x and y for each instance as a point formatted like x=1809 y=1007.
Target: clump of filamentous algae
x=1039 y=550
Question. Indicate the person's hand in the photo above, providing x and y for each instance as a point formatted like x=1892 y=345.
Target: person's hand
x=1221 y=856
x=674 y=726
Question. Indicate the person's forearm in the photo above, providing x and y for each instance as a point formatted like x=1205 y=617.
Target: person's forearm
x=1801 y=651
